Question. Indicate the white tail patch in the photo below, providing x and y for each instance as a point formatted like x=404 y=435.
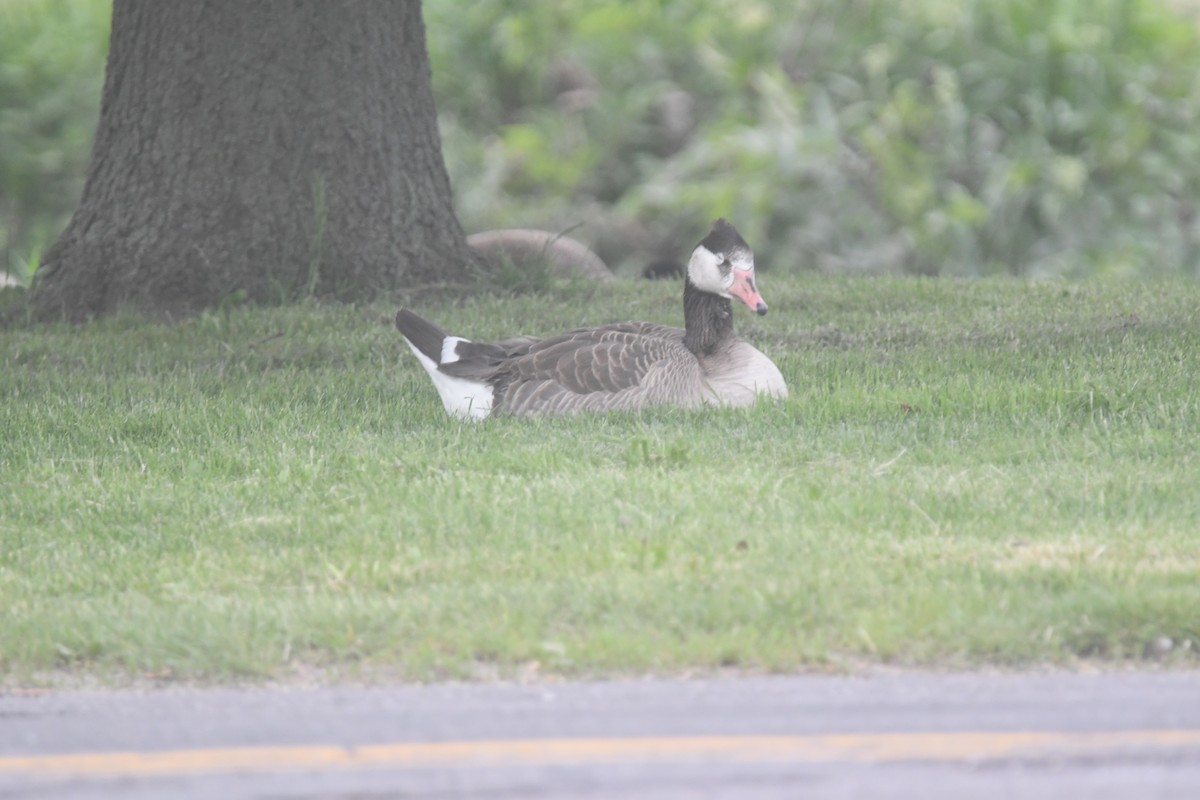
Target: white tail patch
x=462 y=398
x=448 y=345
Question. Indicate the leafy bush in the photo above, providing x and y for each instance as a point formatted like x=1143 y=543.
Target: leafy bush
x=51 y=73
x=925 y=136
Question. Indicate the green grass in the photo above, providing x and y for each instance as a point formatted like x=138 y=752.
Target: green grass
x=965 y=473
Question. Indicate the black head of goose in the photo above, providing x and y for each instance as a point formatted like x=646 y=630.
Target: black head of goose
x=622 y=366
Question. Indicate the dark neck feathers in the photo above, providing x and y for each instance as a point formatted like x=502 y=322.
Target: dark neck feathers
x=707 y=320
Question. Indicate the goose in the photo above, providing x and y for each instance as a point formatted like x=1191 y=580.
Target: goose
x=623 y=366
x=562 y=254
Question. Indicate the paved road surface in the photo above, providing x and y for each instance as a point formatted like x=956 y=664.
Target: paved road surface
x=891 y=735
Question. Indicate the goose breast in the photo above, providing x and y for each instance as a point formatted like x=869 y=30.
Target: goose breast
x=741 y=374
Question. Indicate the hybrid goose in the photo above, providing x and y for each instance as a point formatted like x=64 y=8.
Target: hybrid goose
x=622 y=366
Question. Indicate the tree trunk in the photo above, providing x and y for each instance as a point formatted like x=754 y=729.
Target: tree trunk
x=268 y=150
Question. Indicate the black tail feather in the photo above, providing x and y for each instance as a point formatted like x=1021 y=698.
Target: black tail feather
x=424 y=335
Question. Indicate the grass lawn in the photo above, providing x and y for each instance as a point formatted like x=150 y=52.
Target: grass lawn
x=964 y=473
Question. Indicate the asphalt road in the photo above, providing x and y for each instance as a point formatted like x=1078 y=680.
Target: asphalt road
x=890 y=735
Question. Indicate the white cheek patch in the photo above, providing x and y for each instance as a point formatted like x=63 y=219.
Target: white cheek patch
x=704 y=269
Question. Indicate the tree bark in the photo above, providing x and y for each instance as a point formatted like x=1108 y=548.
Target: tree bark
x=270 y=149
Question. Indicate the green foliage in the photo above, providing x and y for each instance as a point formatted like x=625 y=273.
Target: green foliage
x=923 y=136
x=51 y=72
x=965 y=472
x=1011 y=136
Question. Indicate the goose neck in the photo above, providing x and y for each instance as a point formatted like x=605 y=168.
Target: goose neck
x=707 y=320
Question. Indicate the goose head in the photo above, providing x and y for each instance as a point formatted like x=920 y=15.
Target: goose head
x=723 y=264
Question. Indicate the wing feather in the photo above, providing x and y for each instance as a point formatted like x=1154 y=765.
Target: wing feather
x=621 y=366
x=625 y=365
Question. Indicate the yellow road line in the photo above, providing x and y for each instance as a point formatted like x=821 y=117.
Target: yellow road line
x=956 y=746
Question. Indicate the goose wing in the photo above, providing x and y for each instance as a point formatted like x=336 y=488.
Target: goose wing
x=621 y=366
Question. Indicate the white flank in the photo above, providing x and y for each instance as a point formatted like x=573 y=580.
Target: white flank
x=448 y=345
x=462 y=398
